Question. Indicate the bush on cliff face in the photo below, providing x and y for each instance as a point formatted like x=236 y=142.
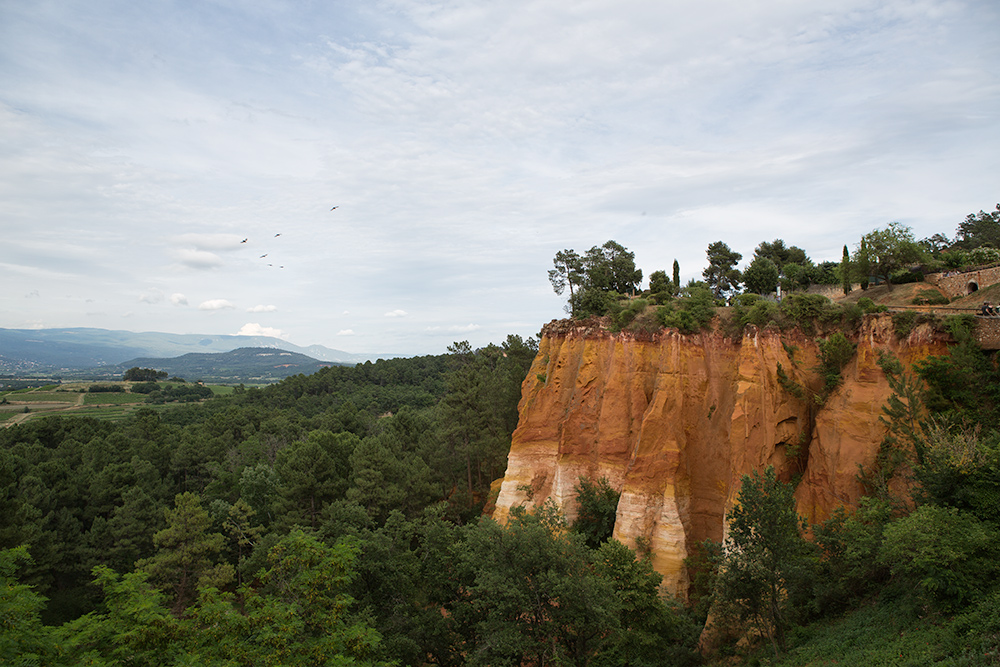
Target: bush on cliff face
x=598 y=503
x=834 y=352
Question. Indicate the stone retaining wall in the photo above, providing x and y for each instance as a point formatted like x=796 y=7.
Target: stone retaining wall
x=965 y=283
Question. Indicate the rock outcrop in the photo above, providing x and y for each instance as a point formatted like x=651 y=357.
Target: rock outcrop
x=674 y=421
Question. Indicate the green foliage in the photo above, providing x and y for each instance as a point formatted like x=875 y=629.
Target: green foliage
x=721 y=275
x=764 y=581
x=595 y=279
x=849 y=569
x=903 y=322
x=962 y=385
x=781 y=255
x=906 y=276
x=597 y=508
x=960 y=468
x=835 y=352
x=702 y=563
x=868 y=306
x=298 y=615
x=691 y=313
x=105 y=388
x=961 y=327
x=659 y=283
x=611 y=268
x=654 y=631
x=186 y=553
x=846 y=271
x=983 y=255
x=882 y=252
x=903 y=416
x=590 y=302
x=761 y=276
x=978 y=230
x=628 y=313
x=136 y=374
x=533 y=596
x=804 y=310
x=179 y=393
x=568 y=273
x=23 y=638
x=940 y=553
x=789 y=385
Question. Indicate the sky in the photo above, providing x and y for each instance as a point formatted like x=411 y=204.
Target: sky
x=171 y=165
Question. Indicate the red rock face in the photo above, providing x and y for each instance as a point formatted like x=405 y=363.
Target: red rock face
x=673 y=422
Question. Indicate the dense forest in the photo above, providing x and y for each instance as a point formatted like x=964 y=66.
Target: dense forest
x=342 y=518
x=327 y=519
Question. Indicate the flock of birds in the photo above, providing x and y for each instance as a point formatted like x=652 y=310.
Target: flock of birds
x=281 y=266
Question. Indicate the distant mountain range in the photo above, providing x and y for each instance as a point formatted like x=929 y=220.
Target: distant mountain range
x=245 y=364
x=49 y=351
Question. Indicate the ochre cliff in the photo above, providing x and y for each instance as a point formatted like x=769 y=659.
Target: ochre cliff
x=675 y=421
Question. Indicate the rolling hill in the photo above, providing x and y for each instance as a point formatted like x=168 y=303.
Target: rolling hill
x=34 y=351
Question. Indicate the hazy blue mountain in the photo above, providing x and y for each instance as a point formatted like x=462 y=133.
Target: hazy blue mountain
x=245 y=364
x=27 y=350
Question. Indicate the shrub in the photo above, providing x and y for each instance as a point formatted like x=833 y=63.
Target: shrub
x=106 y=388
x=941 y=553
x=692 y=313
x=930 y=297
x=904 y=277
x=591 y=302
x=598 y=506
x=903 y=322
x=961 y=327
x=835 y=352
x=868 y=306
x=984 y=255
x=803 y=310
x=628 y=312
x=850 y=544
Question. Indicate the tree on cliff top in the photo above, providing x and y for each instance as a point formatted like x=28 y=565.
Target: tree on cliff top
x=604 y=270
x=722 y=275
x=611 y=268
x=568 y=273
x=885 y=251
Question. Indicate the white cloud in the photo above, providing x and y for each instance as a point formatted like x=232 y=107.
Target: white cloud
x=198 y=259
x=396 y=313
x=178 y=299
x=262 y=309
x=215 y=304
x=151 y=296
x=254 y=329
x=210 y=241
x=346 y=332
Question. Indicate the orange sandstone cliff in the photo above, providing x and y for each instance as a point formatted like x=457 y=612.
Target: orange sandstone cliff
x=674 y=421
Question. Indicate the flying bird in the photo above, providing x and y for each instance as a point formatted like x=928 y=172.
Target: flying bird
x=243 y=241
x=263 y=256
x=277 y=235
x=334 y=208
